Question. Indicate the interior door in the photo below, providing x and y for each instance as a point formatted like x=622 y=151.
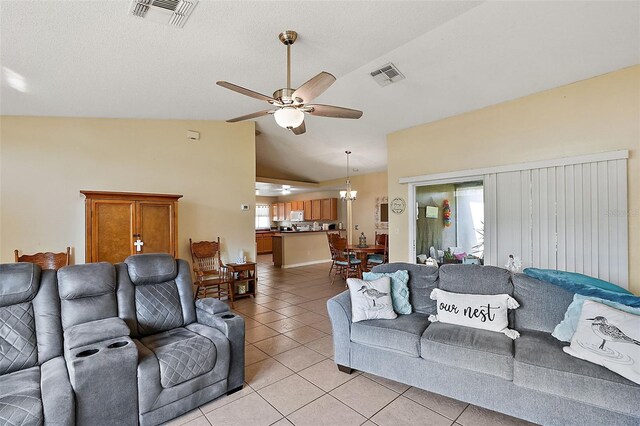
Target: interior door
x=112 y=230
x=155 y=226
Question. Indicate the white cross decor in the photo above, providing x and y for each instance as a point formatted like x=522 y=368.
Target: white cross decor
x=138 y=244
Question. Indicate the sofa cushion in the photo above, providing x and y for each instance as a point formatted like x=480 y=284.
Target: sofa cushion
x=182 y=355
x=541 y=364
x=422 y=280
x=399 y=335
x=158 y=308
x=20 y=401
x=478 y=350
x=19 y=282
x=542 y=305
x=18 y=347
x=475 y=279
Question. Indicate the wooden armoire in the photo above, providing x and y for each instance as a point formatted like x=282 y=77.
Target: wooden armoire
x=119 y=224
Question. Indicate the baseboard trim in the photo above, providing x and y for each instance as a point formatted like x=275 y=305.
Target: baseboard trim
x=313 y=262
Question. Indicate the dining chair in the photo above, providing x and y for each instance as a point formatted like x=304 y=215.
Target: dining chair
x=212 y=277
x=379 y=258
x=46 y=260
x=332 y=250
x=346 y=264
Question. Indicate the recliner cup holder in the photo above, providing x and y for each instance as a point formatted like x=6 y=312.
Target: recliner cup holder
x=118 y=345
x=87 y=353
x=228 y=316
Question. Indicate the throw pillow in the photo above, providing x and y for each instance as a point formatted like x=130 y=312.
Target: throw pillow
x=608 y=337
x=399 y=289
x=585 y=285
x=483 y=311
x=565 y=330
x=371 y=299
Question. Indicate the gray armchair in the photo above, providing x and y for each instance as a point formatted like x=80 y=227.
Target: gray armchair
x=186 y=356
x=34 y=384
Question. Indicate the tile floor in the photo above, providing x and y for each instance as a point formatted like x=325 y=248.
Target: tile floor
x=291 y=377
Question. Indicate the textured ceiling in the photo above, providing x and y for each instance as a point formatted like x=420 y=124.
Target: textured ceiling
x=90 y=59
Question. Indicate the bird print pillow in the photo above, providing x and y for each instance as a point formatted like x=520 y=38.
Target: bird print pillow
x=371 y=299
x=483 y=311
x=608 y=337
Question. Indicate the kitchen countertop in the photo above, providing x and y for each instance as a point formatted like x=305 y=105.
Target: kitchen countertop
x=308 y=232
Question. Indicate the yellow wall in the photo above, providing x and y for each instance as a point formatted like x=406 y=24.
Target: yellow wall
x=46 y=161
x=592 y=116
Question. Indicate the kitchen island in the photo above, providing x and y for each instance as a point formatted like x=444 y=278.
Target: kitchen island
x=291 y=248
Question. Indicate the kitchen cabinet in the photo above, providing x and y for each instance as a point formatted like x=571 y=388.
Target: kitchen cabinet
x=307 y=209
x=264 y=244
x=287 y=211
x=316 y=209
x=281 y=212
x=120 y=224
x=329 y=209
x=274 y=212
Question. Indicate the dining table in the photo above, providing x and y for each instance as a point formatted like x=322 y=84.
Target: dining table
x=363 y=252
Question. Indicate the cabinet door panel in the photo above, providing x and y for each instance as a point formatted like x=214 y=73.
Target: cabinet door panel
x=316 y=209
x=308 y=214
x=155 y=226
x=112 y=230
x=268 y=243
x=287 y=211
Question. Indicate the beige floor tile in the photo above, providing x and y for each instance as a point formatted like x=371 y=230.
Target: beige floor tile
x=277 y=344
x=253 y=355
x=403 y=411
x=282 y=422
x=323 y=345
x=268 y=317
x=393 y=385
x=326 y=376
x=323 y=325
x=308 y=318
x=291 y=393
x=264 y=373
x=250 y=410
x=291 y=311
x=448 y=407
x=185 y=418
x=305 y=334
x=477 y=416
x=326 y=411
x=261 y=332
x=250 y=323
x=284 y=325
x=275 y=304
x=199 y=421
x=252 y=310
x=226 y=399
x=364 y=395
x=299 y=358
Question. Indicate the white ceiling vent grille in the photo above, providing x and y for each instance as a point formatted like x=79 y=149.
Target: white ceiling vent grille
x=387 y=74
x=168 y=12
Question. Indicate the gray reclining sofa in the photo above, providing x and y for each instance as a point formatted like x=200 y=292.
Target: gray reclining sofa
x=121 y=345
x=530 y=378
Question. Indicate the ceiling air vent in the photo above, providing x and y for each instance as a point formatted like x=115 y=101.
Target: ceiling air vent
x=168 y=12
x=387 y=74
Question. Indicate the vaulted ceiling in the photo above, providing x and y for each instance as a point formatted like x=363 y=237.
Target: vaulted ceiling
x=91 y=59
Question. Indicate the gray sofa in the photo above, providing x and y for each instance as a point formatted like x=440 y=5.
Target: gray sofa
x=113 y=345
x=530 y=378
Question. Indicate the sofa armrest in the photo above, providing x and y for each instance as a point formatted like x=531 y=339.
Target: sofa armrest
x=232 y=326
x=211 y=306
x=103 y=375
x=58 y=401
x=339 y=308
x=94 y=331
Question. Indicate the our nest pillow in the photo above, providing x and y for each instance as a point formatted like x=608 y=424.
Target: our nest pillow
x=482 y=311
x=371 y=299
x=608 y=337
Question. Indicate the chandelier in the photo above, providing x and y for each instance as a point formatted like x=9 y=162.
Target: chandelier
x=348 y=194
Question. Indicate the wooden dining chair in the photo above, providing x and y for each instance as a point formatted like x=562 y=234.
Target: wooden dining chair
x=212 y=277
x=46 y=260
x=347 y=265
x=330 y=237
x=379 y=258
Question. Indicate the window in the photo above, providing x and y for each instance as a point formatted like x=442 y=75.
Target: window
x=262 y=216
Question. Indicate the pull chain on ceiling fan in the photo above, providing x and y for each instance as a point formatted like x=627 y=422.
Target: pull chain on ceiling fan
x=291 y=105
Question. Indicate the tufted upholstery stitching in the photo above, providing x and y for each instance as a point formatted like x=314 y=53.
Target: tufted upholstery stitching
x=20 y=410
x=158 y=308
x=184 y=360
x=18 y=348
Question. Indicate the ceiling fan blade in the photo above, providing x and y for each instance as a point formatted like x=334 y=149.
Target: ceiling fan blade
x=314 y=87
x=300 y=129
x=333 y=111
x=250 y=116
x=246 y=92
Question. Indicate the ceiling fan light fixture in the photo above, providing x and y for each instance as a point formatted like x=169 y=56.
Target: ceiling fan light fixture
x=288 y=117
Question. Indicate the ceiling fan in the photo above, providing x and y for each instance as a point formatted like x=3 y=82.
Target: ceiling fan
x=291 y=104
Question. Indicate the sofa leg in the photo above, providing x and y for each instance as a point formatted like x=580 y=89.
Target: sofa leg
x=345 y=369
x=239 y=388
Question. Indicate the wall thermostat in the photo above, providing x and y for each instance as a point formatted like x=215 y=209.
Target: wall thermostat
x=244 y=207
